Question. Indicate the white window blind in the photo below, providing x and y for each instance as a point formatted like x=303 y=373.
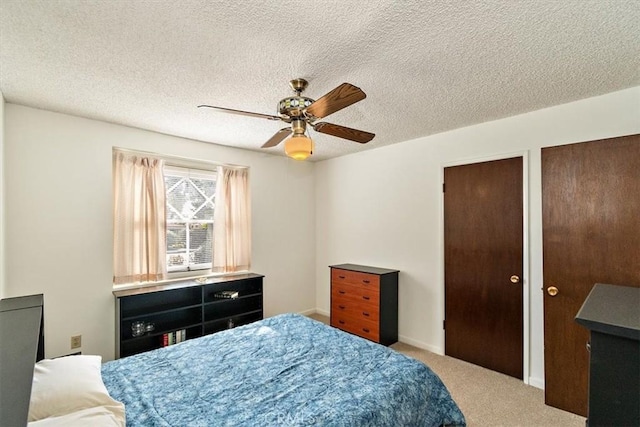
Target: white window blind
x=190 y=195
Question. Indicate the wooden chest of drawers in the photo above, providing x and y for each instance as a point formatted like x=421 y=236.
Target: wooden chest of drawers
x=364 y=301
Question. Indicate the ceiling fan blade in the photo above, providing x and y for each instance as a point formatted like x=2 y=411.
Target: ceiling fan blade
x=242 y=113
x=342 y=96
x=277 y=138
x=344 y=132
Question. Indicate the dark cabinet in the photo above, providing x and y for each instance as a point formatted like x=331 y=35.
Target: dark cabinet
x=152 y=317
x=612 y=315
x=22 y=337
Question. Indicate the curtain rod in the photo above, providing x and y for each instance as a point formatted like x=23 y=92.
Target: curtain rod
x=169 y=157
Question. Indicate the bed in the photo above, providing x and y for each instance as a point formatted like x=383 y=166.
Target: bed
x=286 y=370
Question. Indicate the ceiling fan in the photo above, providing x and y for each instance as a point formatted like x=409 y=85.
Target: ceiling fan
x=300 y=112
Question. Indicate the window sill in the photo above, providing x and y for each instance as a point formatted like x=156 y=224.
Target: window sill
x=126 y=286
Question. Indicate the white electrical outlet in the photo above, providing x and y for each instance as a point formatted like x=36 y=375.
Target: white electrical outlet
x=76 y=341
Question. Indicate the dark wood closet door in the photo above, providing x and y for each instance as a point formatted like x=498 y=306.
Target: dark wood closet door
x=483 y=254
x=591 y=234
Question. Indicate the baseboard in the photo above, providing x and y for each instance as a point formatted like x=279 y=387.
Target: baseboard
x=536 y=382
x=533 y=381
x=401 y=338
x=421 y=345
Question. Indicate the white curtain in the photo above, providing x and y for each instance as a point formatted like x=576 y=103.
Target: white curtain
x=232 y=221
x=139 y=241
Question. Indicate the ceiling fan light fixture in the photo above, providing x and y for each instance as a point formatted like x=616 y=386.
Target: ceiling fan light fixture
x=298 y=147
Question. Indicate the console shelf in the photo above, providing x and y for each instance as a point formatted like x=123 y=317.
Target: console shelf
x=187 y=306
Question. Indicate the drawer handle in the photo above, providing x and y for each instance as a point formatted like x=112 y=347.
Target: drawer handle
x=366 y=330
x=367 y=298
x=341 y=322
x=341 y=292
x=342 y=277
x=341 y=307
x=364 y=313
x=366 y=281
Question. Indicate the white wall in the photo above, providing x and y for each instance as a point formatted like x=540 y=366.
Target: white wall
x=58 y=211
x=383 y=207
x=2 y=269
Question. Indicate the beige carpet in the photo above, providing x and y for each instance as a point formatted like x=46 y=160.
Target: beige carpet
x=488 y=398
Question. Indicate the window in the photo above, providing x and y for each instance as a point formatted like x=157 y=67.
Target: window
x=190 y=201
x=164 y=212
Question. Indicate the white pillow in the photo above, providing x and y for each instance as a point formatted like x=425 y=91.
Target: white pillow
x=69 y=384
x=98 y=416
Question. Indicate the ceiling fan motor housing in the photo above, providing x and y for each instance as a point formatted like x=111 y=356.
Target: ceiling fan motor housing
x=293 y=106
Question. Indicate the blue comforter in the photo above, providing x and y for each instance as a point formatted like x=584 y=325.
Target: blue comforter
x=287 y=370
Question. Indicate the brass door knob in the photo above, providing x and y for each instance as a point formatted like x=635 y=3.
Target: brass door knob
x=552 y=290
x=515 y=279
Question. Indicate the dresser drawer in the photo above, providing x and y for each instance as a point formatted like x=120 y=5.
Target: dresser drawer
x=365 y=280
x=363 y=328
x=355 y=309
x=355 y=294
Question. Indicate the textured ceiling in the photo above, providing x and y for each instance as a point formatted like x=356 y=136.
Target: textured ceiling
x=426 y=66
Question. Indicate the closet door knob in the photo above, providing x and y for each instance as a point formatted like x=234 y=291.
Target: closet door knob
x=552 y=290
